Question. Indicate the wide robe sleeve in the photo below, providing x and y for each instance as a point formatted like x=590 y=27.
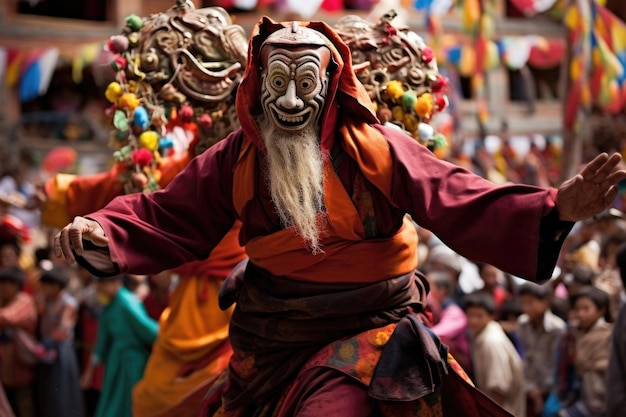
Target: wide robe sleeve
x=71 y=195
x=149 y=233
x=513 y=227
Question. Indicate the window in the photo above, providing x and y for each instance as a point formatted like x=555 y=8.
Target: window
x=532 y=83
x=511 y=11
x=95 y=10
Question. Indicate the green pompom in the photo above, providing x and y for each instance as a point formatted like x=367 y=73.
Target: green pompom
x=120 y=121
x=440 y=141
x=408 y=100
x=134 y=22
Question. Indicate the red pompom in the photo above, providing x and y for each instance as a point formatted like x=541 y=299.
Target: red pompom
x=186 y=114
x=205 y=121
x=142 y=157
x=118 y=44
x=427 y=54
x=441 y=102
x=119 y=63
x=439 y=84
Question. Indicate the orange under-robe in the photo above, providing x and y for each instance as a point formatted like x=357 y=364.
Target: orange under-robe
x=192 y=346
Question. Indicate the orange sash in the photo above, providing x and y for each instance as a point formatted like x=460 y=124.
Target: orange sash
x=348 y=257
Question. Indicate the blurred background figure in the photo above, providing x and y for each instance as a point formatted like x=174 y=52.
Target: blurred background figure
x=137 y=284
x=158 y=298
x=493 y=280
x=588 y=355
x=17 y=314
x=498 y=368
x=86 y=335
x=585 y=245
x=510 y=312
x=59 y=393
x=125 y=336
x=616 y=370
x=449 y=321
x=539 y=332
x=442 y=258
x=18 y=189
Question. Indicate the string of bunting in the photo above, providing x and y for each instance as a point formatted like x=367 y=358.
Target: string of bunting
x=598 y=65
x=597 y=69
x=31 y=70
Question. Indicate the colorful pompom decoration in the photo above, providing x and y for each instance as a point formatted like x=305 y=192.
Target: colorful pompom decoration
x=118 y=44
x=424 y=106
x=128 y=101
x=142 y=157
x=395 y=90
x=141 y=119
x=134 y=22
x=149 y=140
x=113 y=92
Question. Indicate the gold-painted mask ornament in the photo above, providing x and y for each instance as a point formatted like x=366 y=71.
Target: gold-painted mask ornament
x=176 y=78
x=400 y=73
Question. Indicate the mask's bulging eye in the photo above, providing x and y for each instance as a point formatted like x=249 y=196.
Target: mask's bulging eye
x=306 y=85
x=279 y=82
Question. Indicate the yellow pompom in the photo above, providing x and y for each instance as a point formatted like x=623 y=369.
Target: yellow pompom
x=113 y=92
x=149 y=140
x=395 y=89
x=424 y=106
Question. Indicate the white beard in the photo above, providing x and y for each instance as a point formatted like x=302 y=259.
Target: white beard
x=296 y=181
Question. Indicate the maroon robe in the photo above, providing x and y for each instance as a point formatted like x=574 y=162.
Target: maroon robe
x=499 y=225
x=278 y=322
x=504 y=226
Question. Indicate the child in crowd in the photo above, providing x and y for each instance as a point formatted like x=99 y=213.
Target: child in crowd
x=10 y=254
x=591 y=353
x=510 y=311
x=492 y=277
x=539 y=332
x=498 y=368
x=58 y=388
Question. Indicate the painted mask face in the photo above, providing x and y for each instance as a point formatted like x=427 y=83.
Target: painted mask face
x=295 y=84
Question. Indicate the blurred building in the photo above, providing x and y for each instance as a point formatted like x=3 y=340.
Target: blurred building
x=523 y=93
x=65 y=38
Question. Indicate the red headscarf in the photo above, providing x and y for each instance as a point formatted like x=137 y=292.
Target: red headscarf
x=344 y=89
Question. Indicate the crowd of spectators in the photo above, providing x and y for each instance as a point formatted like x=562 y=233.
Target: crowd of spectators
x=538 y=350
